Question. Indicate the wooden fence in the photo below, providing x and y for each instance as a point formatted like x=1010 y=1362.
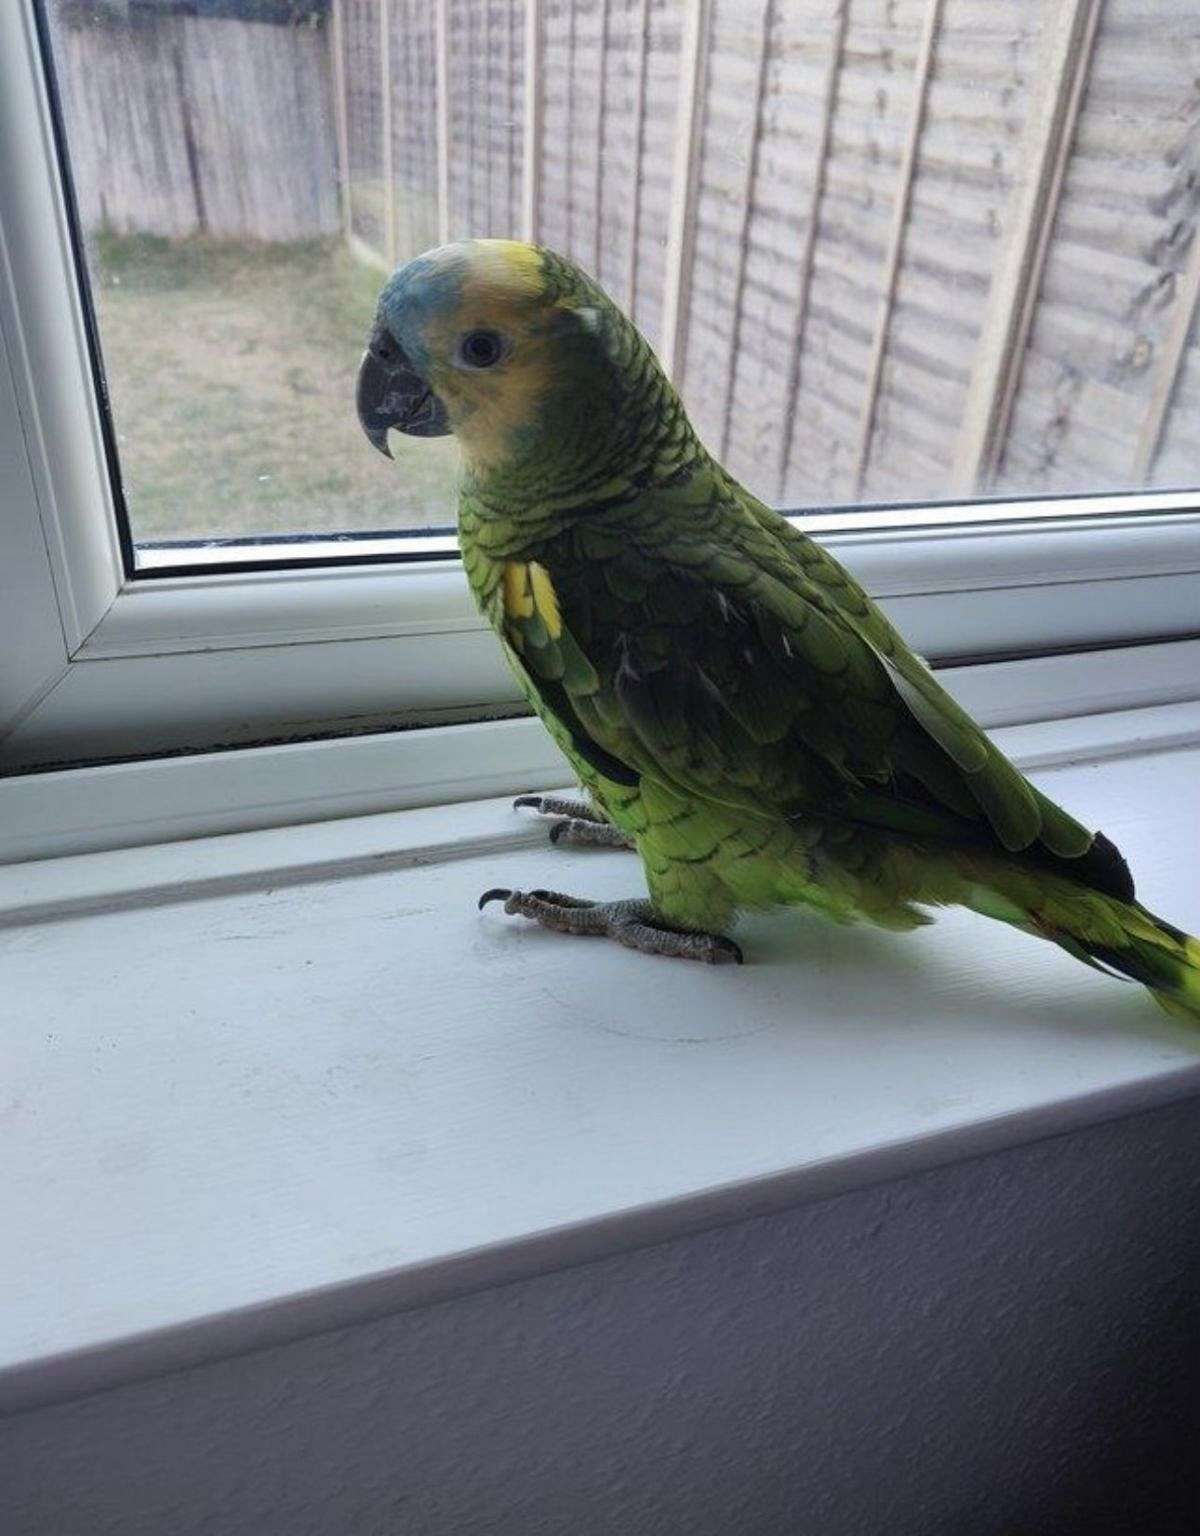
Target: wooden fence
x=186 y=124
x=888 y=248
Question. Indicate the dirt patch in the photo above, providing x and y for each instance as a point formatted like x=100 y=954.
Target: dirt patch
x=231 y=373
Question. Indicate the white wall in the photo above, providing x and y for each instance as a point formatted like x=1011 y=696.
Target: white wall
x=1007 y=1346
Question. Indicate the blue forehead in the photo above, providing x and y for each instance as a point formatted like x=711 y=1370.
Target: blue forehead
x=423 y=288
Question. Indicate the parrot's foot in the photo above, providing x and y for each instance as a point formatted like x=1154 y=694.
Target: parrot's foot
x=632 y=923
x=582 y=827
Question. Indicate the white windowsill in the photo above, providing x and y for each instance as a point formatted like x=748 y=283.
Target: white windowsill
x=265 y=1084
x=83 y=810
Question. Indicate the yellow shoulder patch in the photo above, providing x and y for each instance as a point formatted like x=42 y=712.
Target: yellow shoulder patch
x=518 y=594
x=529 y=590
x=545 y=599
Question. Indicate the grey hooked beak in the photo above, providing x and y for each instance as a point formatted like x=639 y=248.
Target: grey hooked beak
x=391 y=393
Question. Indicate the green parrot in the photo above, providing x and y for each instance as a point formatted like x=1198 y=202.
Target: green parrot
x=736 y=707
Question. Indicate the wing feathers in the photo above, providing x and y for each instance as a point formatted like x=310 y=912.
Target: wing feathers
x=729 y=655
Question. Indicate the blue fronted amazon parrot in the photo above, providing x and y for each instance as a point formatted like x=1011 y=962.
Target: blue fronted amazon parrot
x=732 y=701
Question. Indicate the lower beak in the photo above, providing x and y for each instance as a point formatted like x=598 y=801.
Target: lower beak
x=391 y=393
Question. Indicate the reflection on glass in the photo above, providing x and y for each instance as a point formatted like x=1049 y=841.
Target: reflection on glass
x=889 y=249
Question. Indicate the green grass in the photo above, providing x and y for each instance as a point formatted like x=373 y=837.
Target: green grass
x=231 y=373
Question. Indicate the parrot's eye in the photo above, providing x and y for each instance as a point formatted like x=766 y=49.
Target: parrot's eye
x=480 y=349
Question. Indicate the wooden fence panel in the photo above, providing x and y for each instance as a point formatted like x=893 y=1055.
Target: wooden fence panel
x=1115 y=274
x=364 y=109
x=605 y=179
x=571 y=161
x=183 y=125
x=619 y=191
x=125 y=114
x=664 y=23
x=967 y=170
x=1171 y=443
x=585 y=167
x=504 y=41
x=826 y=213
x=260 y=111
x=731 y=84
x=804 y=60
x=414 y=126
x=854 y=223
x=853 y=167
x=485 y=72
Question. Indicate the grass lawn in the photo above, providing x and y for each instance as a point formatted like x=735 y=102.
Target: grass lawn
x=231 y=372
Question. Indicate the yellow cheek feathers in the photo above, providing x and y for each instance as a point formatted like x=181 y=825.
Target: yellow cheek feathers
x=529 y=594
x=490 y=410
x=502 y=289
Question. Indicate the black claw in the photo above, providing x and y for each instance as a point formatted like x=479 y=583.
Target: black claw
x=533 y=801
x=497 y=894
x=725 y=949
x=557 y=830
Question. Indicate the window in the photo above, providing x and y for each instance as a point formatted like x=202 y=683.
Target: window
x=908 y=262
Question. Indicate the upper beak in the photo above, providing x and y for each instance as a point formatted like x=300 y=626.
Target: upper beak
x=391 y=393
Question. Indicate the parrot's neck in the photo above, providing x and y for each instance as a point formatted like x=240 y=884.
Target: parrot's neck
x=589 y=444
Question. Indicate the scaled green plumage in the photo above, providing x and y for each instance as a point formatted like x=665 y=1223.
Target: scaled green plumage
x=726 y=692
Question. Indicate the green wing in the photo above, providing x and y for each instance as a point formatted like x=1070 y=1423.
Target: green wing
x=699 y=639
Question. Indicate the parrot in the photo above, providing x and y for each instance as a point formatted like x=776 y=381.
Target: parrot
x=733 y=704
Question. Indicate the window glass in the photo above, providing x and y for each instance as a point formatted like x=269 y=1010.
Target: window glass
x=891 y=250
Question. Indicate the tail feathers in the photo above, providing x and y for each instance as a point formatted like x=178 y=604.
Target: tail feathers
x=1108 y=934
x=1160 y=956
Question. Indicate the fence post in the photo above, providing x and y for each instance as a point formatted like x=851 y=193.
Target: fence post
x=601 y=103
x=1167 y=372
x=756 y=126
x=337 y=51
x=808 y=244
x=891 y=269
x=639 y=128
x=681 y=229
x=531 y=187
x=510 y=75
x=1045 y=150
x=442 y=64
x=389 y=169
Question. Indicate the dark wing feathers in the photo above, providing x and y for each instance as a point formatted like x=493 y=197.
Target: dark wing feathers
x=743 y=663
x=1021 y=816
x=565 y=680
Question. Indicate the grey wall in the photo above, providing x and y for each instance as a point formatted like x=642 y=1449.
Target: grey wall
x=1007 y=1347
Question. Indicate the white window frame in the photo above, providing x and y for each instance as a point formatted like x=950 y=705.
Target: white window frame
x=108 y=666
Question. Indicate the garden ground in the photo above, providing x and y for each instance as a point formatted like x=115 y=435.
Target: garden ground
x=231 y=374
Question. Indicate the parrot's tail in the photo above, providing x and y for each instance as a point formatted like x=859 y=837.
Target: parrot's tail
x=1104 y=932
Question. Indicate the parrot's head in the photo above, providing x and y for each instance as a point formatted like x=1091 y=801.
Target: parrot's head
x=510 y=347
